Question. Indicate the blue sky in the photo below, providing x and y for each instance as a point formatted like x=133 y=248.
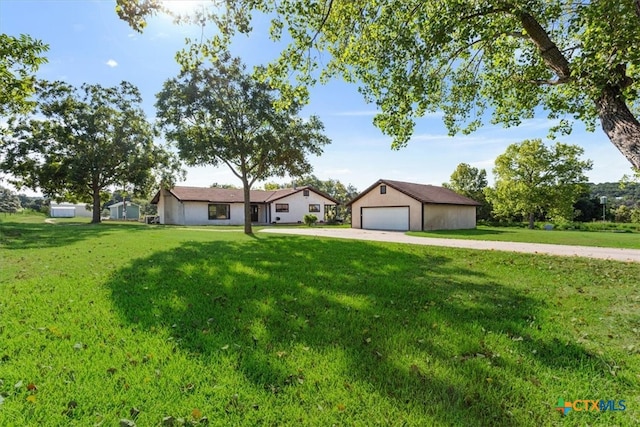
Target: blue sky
x=89 y=44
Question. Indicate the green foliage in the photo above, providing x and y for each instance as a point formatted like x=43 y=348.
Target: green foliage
x=627 y=193
x=142 y=323
x=470 y=182
x=463 y=58
x=220 y=114
x=310 y=219
x=20 y=58
x=531 y=179
x=84 y=141
x=9 y=201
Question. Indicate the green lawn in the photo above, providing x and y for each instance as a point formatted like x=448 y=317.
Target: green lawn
x=101 y=323
x=515 y=234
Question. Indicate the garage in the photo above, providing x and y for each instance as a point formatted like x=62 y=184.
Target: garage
x=386 y=218
x=402 y=206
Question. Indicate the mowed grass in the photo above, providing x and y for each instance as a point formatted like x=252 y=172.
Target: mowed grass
x=102 y=323
x=558 y=237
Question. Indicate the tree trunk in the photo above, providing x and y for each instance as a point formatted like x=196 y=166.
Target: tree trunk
x=247 y=206
x=96 y=207
x=532 y=219
x=620 y=125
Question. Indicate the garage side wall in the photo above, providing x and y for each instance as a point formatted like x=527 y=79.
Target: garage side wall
x=393 y=197
x=170 y=210
x=449 y=217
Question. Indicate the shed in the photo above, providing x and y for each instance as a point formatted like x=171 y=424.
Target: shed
x=62 y=211
x=403 y=206
x=118 y=210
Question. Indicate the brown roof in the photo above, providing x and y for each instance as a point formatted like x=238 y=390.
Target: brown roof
x=423 y=193
x=232 y=195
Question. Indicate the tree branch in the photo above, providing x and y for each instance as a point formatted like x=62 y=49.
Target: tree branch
x=550 y=53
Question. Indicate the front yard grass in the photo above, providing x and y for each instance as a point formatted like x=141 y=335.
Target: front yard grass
x=110 y=322
x=559 y=237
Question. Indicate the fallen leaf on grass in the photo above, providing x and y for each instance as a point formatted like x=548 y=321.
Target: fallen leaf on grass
x=31 y=399
x=196 y=413
x=32 y=387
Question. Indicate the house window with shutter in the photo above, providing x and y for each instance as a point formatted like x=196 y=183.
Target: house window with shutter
x=383 y=189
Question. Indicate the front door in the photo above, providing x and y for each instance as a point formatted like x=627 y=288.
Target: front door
x=254 y=213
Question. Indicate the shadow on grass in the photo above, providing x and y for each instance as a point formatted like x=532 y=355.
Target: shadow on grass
x=409 y=326
x=27 y=235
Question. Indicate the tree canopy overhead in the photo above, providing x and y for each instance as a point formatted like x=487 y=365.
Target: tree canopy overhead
x=219 y=114
x=579 y=60
x=81 y=142
x=20 y=58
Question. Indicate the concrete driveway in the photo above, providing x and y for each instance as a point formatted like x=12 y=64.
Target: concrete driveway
x=628 y=255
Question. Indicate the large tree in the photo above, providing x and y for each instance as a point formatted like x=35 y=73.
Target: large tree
x=81 y=142
x=579 y=60
x=531 y=179
x=222 y=115
x=20 y=58
x=470 y=182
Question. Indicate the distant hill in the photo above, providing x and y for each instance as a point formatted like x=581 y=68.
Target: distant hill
x=629 y=195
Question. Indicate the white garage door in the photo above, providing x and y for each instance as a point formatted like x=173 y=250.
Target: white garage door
x=386 y=218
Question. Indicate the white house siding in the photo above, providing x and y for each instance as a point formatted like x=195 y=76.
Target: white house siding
x=299 y=207
x=393 y=198
x=170 y=210
x=197 y=213
x=449 y=217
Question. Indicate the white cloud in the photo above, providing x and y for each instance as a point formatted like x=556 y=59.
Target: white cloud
x=112 y=63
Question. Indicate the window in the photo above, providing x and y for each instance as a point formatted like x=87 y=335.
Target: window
x=282 y=207
x=219 y=211
x=305 y=193
x=314 y=208
x=383 y=189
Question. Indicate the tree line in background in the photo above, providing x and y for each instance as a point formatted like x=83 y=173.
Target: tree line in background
x=534 y=182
